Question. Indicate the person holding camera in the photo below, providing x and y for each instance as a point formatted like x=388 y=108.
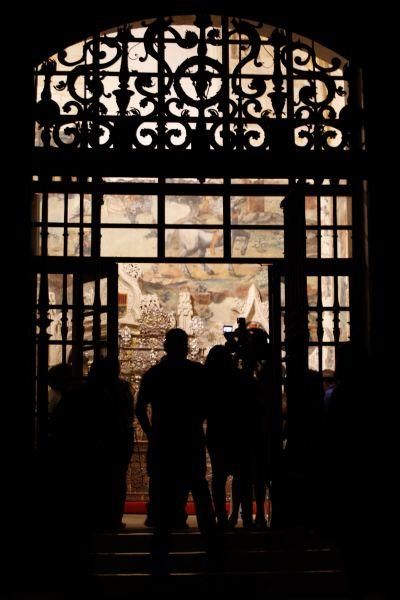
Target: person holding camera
x=249 y=345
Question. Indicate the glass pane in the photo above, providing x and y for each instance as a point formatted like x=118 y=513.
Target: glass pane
x=191 y=210
x=192 y=180
x=87 y=242
x=328 y=358
x=326 y=203
x=282 y=286
x=103 y=291
x=257 y=243
x=55 y=241
x=312 y=290
x=312 y=326
x=130 y=179
x=88 y=293
x=103 y=325
x=70 y=283
x=343 y=210
x=55 y=208
x=327 y=324
x=88 y=356
x=311 y=210
x=37 y=287
x=130 y=209
x=256 y=210
x=87 y=327
x=256 y=181
x=313 y=358
x=311 y=243
x=128 y=242
x=344 y=248
x=55 y=288
x=343 y=290
x=326 y=243
x=55 y=358
x=344 y=324
x=327 y=290
x=194 y=242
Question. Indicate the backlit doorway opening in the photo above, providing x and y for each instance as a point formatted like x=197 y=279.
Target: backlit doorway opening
x=199 y=298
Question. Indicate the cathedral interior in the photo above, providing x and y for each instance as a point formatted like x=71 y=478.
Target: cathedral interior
x=187 y=166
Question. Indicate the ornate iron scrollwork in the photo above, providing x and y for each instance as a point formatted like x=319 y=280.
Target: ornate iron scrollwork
x=211 y=83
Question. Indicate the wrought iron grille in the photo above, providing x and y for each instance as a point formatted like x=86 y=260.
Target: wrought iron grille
x=201 y=83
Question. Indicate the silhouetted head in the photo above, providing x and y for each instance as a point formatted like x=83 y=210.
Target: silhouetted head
x=176 y=343
x=258 y=343
x=104 y=370
x=219 y=358
x=59 y=377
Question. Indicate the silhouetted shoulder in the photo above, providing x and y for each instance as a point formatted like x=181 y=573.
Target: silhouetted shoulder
x=159 y=367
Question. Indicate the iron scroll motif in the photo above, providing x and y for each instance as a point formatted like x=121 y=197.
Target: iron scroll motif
x=211 y=83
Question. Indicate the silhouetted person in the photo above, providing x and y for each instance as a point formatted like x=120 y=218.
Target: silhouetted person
x=57 y=536
x=225 y=399
x=72 y=464
x=250 y=480
x=59 y=380
x=252 y=353
x=111 y=404
x=174 y=388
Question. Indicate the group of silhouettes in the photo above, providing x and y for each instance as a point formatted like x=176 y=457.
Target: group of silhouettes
x=184 y=408
x=182 y=396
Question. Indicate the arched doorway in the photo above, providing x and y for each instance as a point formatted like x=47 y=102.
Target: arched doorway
x=171 y=144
